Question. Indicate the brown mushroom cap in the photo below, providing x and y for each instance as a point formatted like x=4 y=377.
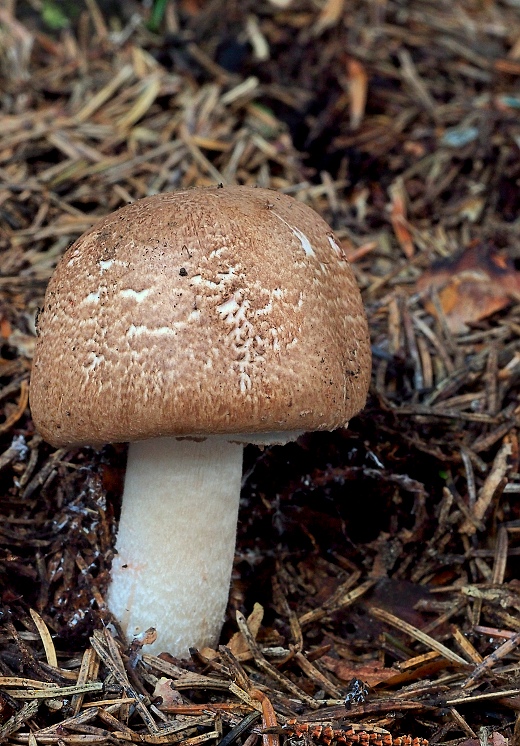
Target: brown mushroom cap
x=216 y=310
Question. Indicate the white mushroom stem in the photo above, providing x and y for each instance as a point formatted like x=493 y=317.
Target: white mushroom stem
x=176 y=540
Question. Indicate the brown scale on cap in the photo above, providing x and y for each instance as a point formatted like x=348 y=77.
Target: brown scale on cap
x=217 y=310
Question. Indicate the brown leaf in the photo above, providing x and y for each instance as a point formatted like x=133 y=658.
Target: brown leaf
x=358 y=86
x=371 y=673
x=191 y=7
x=471 y=287
x=497 y=739
x=237 y=644
x=329 y=16
x=165 y=689
x=398 y=218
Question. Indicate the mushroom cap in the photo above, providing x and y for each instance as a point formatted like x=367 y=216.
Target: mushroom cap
x=211 y=310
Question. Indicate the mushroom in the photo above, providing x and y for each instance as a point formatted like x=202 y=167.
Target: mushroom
x=189 y=324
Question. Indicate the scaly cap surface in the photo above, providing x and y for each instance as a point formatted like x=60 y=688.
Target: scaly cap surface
x=212 y=310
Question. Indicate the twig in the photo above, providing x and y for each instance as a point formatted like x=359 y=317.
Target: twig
x=487 y=664
x=494 y=479
x=118 y=672
x=267 y=668
x=16 y=721
x=408 y=629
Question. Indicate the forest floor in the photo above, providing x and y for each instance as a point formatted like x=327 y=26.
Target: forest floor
x=376 y=579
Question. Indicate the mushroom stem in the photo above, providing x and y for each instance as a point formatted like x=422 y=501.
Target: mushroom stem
x=176 y=540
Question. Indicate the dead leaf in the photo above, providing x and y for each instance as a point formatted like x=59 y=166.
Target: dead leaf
x=398 y=198
x=358 y=86
x=371 y=673
x=208 y=654
x=191 y=7
x=493 y=739
x=477 y=283
x=354 y=255
x=497 y=739
x=165 y=689
x=329 y=16
x=5 y=328
x=237 y=644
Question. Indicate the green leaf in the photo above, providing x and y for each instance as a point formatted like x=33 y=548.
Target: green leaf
x=53 y=16
x=157 y=14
